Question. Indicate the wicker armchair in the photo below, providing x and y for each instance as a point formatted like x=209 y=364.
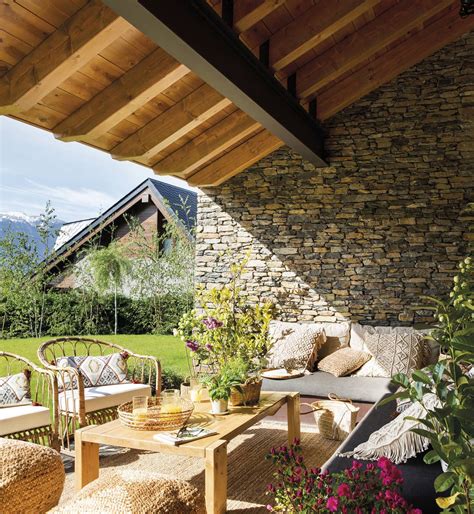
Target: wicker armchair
x=79 y=405
x=36 y=422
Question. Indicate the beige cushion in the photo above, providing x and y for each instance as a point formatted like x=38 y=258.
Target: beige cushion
x=24 y=417
x=102 y=397
x=295 y=345
x=337 y=336
x=393 y=351
x=343 y=362
x=132 y=491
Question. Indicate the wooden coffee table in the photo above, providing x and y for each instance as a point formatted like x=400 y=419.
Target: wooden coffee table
x=213 y=448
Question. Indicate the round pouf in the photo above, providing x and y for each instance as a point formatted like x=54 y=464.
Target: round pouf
x=31 y=477
x=134 y=492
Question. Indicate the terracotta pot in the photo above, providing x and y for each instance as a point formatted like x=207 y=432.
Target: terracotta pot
x=246 y=394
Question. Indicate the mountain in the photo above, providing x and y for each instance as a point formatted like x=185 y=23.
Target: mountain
x=19 y=222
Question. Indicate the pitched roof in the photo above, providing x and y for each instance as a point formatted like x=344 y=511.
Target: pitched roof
x=69 y=230
x=182 y=201
x=180 y=204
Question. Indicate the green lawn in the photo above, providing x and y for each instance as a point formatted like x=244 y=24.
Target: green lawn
x=168 y=349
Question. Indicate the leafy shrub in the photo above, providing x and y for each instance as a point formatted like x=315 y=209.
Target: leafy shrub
x=74 y=312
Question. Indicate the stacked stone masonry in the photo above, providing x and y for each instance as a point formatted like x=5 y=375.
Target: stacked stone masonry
x=383 y=225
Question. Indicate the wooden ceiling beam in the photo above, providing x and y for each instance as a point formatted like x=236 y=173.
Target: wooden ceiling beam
x=151 y=76
x=174 y=123
x=237 y=160
x=421 y=45
x=195 y=35
x=362 y=44
x=65 y=51
x=207 y=145
x=312 y=28
x=248 y=13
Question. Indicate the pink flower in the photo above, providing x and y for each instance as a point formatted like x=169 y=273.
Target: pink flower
x=415 y=511
x=332 y=504
x=344 y=490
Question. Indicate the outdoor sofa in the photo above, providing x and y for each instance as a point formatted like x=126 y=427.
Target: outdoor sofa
x=418 y=477
x=356 y=388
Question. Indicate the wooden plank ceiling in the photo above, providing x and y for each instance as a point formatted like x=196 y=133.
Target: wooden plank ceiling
x=77 y=69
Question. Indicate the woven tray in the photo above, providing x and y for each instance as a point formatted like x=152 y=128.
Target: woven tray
x=154 y=419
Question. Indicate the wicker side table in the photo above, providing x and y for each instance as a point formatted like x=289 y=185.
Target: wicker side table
x=31 y=477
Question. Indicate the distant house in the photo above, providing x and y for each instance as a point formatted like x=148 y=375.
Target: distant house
x=152 y=204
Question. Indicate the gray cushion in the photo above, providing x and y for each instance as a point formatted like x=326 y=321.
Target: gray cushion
x=319 y=383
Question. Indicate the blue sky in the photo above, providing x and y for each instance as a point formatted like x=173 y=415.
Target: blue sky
x=79 y=181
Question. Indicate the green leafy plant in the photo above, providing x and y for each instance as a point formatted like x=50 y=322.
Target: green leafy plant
x=220 y=384
x=450 y=427
x=226 y=326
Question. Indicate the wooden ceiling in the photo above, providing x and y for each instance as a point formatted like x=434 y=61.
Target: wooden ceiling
x=77 y=69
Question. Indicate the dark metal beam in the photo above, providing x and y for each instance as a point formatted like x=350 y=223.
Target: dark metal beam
x=264 y=53
x=228 y=12
x=291 y=84
x=196 y=36
x=313 y=108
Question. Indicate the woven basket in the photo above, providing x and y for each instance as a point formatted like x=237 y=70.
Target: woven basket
x=154 y=419
x=246 y=394
x=335 y=418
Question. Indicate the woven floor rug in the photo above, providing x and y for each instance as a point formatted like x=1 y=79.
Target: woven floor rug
x=249 y=472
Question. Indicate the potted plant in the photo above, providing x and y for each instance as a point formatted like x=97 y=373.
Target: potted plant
x=227 y=327
x=219 y=387
x=248 y=384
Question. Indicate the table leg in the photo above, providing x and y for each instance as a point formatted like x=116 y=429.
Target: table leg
x=216 y=478
x=293 y=414
x=86 y=462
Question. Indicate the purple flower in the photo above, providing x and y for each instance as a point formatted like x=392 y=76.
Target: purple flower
x=212 y=323
x=209 y=347
x=192 y=345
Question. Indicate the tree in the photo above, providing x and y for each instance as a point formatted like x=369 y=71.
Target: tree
x=110 y=267
x=24 y=278
x=163 y=263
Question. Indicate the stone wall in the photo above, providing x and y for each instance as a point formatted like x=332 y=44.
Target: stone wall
x=384 y=224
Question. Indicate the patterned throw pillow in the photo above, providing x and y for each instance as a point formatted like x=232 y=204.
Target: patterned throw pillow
x=343 y=362
x=15 y=389
x=392 y=352
x=295 y=345
x=99 y=370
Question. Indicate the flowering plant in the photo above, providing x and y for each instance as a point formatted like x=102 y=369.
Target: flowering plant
x=374 y=489
x=227 y=327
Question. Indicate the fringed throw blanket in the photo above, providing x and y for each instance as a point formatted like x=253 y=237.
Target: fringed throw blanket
x=395 y=439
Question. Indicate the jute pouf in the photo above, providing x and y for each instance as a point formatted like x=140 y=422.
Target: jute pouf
x=31 y=477
x=134 y=492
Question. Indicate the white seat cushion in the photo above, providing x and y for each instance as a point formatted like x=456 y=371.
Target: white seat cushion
x=25 y=417
x=102 y=397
